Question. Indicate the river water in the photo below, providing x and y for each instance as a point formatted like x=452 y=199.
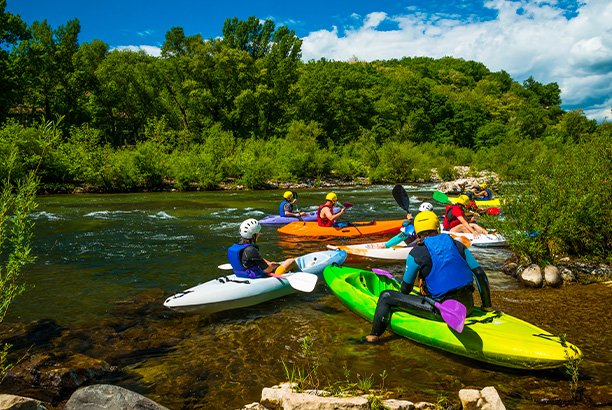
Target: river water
x=106 y=263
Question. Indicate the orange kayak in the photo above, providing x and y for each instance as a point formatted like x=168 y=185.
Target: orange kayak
x=300 y=228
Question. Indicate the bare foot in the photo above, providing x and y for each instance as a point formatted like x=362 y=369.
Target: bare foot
x=372 y=339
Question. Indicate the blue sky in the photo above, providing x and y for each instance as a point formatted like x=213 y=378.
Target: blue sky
x=564 y=41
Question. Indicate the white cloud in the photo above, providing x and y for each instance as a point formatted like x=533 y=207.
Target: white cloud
x=150 y=50
x=526 y=38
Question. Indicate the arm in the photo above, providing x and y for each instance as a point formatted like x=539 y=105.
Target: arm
x=326 y=212
x=395 y=240
x=481 y=280
x=410 y=275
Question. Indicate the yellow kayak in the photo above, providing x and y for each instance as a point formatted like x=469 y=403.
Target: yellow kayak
x=481 y=204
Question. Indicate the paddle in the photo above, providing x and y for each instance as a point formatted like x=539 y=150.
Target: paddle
x=347 y=205
x=452 y=312
x=295 y=196
x=401 y=197
x=442 y=197
x=302 y=281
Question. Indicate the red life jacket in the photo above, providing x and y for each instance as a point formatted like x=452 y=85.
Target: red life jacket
x=324 y=221
x=449 y=217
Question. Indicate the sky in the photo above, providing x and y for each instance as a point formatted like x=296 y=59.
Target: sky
x=564 y=41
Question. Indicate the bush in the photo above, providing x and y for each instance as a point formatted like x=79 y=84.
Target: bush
x=562 y=207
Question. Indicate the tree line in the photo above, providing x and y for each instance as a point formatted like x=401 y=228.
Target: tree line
x=246 y=106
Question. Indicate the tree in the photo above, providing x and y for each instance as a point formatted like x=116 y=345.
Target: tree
x=250 y=36
x=47 y=66
x=12 y=30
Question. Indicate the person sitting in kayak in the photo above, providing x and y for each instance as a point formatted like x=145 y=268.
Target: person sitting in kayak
x=325 y=213
x=246 y=260
x=446 y=270
x=484 y=194
x=286 y=207
x=407 y=233
x=455 y=219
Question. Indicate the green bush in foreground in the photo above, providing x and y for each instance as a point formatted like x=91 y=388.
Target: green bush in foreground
x=562 y=207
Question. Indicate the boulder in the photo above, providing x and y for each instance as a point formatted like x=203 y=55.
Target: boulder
x=10 y=402
x=552 y=276
x=303 y=401
x=393 y=404
x=106 y=396
x=567 y=275
x=531 y=276
x=485 y=399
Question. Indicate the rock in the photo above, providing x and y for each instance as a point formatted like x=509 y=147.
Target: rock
x=303 y=401
x=509 y=268
x=490 y=400
x=55 y=373
x=469 y=398
x=393 y=404
x=10 y=402
x=106 y=396
x=567 y=275
x=486 y=399
x=552 y=276
x=275 y=394
x=254 y=406
x=425 y=406
x=531 y=276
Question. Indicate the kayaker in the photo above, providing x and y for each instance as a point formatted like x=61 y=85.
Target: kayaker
x=485 y=194
x=286 y=207
x=446 y=270
x=455 y=219
x=407 y=233
x=325 y=213
x=246 y=260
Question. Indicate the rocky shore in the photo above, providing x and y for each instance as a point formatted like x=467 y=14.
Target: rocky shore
x=281 y=397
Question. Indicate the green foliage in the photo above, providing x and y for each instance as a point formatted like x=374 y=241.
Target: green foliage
x=572 y=365
x=561 y=206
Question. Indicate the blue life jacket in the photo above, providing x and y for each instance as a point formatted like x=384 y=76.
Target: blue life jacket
x=408 y=230
x=233 y=255
x=449 y=270
x=282 y=207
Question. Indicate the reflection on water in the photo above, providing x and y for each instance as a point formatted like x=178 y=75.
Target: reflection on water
x=97 y=250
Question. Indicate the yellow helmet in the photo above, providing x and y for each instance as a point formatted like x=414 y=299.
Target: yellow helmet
x=288 y=195
x=426 y=221
x=463 y=200
x=331 y=197
x=483 y=185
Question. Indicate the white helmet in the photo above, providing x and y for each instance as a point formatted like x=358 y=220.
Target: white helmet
x=425 y=206
x=249 y=228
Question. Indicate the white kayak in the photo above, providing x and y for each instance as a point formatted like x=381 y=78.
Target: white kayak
x=483 y=240
x=375 y=250
x=231 y=292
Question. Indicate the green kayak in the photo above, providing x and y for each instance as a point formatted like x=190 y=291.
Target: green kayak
x=491 y=337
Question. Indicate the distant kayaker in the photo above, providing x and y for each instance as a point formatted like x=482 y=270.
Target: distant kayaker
x=455 y=219
x=485 y=194
x=407 y=233
x=246 y=260
x=325 y=213
x=446 y=270
x=286 y=207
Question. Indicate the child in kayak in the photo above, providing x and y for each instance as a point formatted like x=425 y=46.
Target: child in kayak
x=455 y=219
x=484 y=194
x=407 y=233
x=286 y=207
x=446 y=270
x=325 y=213
x=246 y=260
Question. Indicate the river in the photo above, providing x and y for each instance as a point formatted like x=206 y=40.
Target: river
x=106 y=263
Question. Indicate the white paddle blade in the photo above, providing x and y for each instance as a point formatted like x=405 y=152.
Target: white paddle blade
x=225 y=266
x=302 y=281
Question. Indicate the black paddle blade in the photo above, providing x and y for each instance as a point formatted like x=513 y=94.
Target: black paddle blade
x=401 y=197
